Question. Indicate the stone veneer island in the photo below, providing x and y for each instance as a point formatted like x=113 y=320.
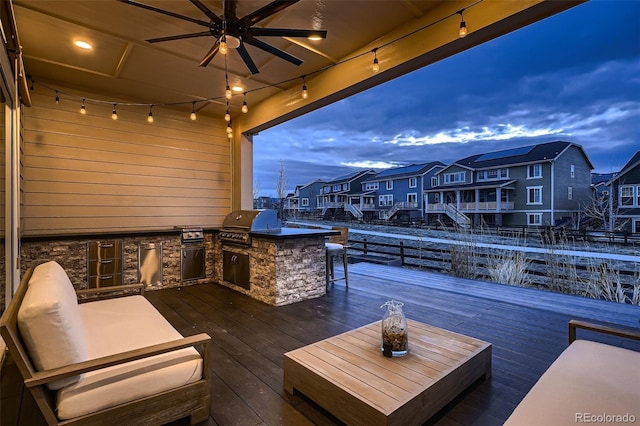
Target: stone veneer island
x=286 y=266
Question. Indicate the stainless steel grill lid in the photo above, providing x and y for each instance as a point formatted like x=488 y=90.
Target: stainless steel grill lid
x=252 y=220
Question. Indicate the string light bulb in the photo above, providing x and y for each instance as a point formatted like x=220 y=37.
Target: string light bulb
x=57 y=98
x=227 y=116
x=150 y=116
x=229 y=128
x=193 y=115
x=376 y=66
x=114 y=113
x=245 y=107
x=83 y=110
x=463 y=26
x=223 y=45
x=227 y=93
x=305 y=92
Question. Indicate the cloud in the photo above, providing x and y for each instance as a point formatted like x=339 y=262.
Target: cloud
x=538 y=84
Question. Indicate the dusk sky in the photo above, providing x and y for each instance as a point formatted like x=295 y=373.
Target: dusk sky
x=572 y=77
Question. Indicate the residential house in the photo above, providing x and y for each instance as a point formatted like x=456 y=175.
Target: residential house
x=304 y=200
x=343 y=196
x=536 y=185
x=399 y=192
x=625 y=197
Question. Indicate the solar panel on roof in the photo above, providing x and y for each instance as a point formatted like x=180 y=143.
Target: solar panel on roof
x=398 y=170
x=523 y=150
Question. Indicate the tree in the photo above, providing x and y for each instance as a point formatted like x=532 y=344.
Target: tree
x=256 y=192
x=281 y=188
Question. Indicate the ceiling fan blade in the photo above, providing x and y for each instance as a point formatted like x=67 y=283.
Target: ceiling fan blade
x=165 y=12
x=242 y=51
x=266 y=11
x=179 y=37
x=204 y=9
x=210 y=54
x=285 y=32
x=273 y=50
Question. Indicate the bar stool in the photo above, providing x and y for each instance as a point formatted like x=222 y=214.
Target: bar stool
x=337 y=246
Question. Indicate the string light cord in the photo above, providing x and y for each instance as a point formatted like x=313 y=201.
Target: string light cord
x=375 y=50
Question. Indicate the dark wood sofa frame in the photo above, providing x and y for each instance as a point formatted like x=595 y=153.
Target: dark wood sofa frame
x=191 y=400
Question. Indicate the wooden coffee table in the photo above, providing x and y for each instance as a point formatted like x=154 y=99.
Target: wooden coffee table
x=348 y=376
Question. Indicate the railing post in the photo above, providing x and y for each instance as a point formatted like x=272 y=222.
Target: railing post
x=364 y=246
x=402 y=252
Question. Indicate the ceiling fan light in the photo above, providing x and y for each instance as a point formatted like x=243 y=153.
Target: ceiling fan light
x=232 y=42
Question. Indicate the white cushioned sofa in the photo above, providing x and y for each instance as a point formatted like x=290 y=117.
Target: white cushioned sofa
x=589 y=382
x=111 y=361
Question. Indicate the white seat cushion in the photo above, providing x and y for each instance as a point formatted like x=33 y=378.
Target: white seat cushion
x=118 y=325
x=49 y=322
x=333 y=246
x=587 y=379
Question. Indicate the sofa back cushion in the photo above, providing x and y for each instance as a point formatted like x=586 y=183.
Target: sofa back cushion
x=49 y=322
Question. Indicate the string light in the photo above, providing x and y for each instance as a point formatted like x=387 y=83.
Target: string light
x=375 y=67
x=245 y=107
x=305 y=92
x=223 y=45
x=229 y=129
x=227 y=115
x=463 y=25
x=193 y=115
x=114 y=114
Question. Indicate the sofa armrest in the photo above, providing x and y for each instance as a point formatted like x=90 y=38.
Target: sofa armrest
x=611 y=329
x=43 y=377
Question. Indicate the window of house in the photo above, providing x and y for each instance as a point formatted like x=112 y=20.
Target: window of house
x=534 y=171
x=573 y=170
x=413 y=182
x=626 y=195
x=436 y=197
x=412 y=198
x=570 y=193
x=336 y=188
x=370 y=186
x=534 y=195
x=454 y=177
x=534 y=218
x=305 y=202
x=434 y=181
x=385 y=200
x=493 y=174
x=345 y=186
x=389 y=184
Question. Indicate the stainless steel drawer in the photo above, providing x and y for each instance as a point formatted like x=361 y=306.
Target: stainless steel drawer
x=104 y=266
x=108 y=280
x=105 y=249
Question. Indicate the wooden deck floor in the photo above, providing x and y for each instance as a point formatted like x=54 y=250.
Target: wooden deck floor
x=528 y=330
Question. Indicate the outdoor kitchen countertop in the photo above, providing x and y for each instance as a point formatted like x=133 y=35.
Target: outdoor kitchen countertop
x=288 y=233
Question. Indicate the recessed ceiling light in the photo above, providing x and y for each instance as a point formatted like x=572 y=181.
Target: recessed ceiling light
x=237 y=89
x=83 y=44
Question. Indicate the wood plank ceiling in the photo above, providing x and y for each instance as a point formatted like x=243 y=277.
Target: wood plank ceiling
x=124 y=67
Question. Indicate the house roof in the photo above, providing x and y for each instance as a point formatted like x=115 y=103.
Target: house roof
x=349 y=177
x=631 y=164
x=406 y=171
x=520 y=155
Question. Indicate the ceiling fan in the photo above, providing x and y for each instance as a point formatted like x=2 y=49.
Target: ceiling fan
x=235 y=32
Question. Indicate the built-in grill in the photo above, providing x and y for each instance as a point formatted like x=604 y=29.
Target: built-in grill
x=238 y=225
x=192 y=266
x=235 y=237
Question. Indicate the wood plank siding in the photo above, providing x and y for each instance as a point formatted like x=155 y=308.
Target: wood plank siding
x=89 y=173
